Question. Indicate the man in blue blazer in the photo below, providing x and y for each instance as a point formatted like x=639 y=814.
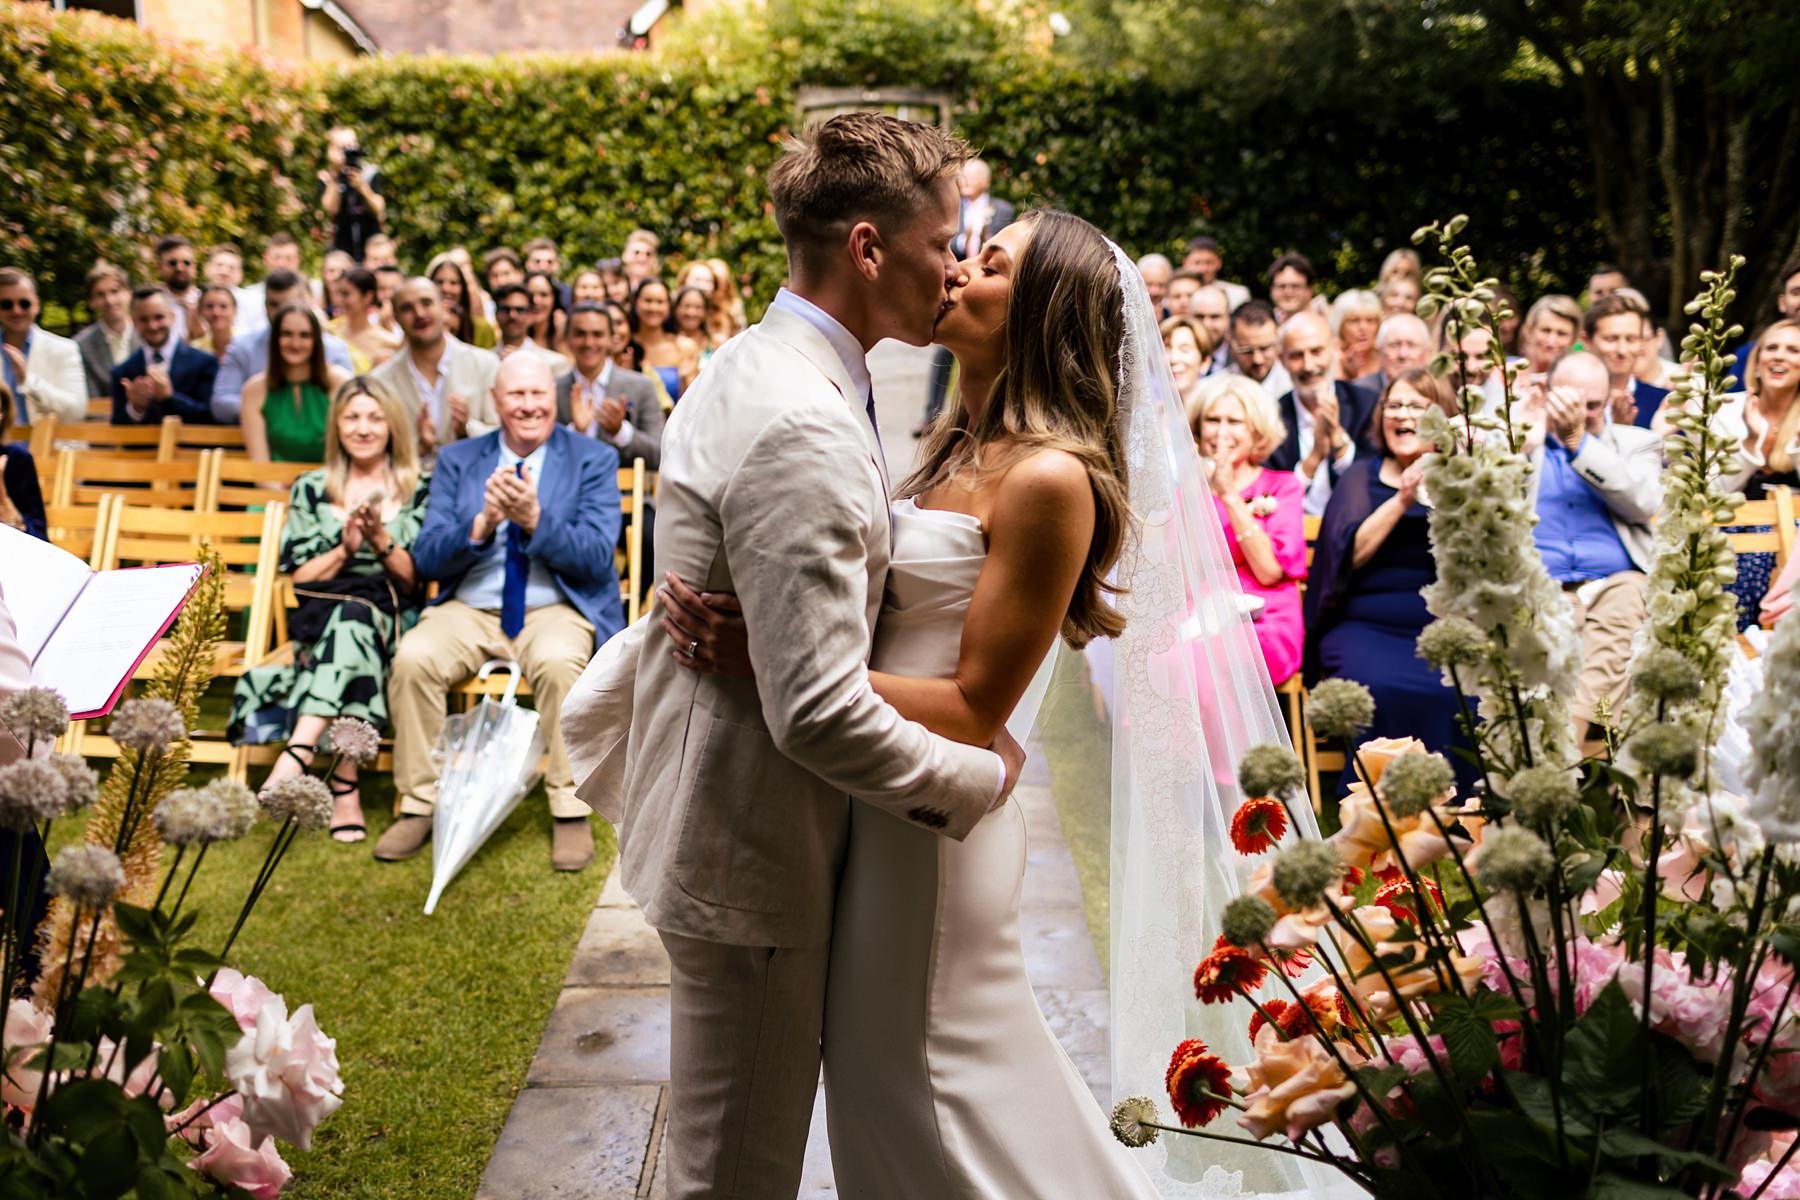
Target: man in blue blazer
x=1327 y=420
x=519 y=534
x=164 y=376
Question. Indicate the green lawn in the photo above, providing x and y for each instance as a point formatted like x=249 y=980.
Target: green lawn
x=436 y=1018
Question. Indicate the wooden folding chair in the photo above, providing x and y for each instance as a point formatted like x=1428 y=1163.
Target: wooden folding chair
x=99 y=408
x=84 y=530
x=238 y=482
x=105 y=438
x=193 y=440
x=83 y=476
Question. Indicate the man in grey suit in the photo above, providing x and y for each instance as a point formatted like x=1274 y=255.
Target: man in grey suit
x=112 y=337
x=604 y=400
x=1598 y=486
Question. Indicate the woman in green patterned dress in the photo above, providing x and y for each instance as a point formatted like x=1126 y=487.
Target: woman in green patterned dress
x=285 y=407
x=347 y=545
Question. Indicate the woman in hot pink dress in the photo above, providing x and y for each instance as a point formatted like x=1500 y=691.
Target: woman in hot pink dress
x=1237 y=425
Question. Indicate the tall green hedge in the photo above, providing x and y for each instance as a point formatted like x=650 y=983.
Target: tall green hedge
x=109 y=137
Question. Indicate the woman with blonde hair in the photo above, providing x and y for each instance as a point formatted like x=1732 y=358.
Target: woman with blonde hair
x=1238 y=425
x=1190 y=350
x=1355 y=318
x=347 y=545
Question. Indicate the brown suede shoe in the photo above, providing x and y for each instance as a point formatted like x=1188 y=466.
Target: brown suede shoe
x=404 y=838
x=571 y=844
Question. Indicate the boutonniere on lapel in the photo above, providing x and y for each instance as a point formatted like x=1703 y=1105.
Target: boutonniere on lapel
x=1264 y=505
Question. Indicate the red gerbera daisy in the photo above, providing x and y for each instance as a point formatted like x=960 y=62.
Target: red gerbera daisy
x=1226 y=972
x=1259 y=824
x=1293 y=1022
x=1293 y=963
x=1353 y=877
x=1198 y=1084
x=1186 y=1050
x=1397 y=898
x=1276 y=1009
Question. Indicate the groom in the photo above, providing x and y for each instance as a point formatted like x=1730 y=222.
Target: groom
x=730 y=794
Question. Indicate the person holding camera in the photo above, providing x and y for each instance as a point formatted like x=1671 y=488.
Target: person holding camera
x=350 y=193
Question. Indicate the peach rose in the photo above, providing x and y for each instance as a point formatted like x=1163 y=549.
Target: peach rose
x=1295 y=1086
x=1374 y=755
x=28 y=1027
x=1362 y=838
x=234 y=1157
x=1411 y=979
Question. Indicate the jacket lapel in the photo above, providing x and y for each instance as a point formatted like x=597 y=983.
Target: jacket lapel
x=794 y=332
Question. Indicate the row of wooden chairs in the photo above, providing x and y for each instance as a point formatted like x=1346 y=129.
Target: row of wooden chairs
x=209 y=482
x=169 y=440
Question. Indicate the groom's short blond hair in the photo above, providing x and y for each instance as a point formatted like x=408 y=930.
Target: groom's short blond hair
x=859 y=166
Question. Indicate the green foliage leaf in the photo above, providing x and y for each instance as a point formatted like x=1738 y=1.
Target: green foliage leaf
x=1603 y=1056
x=176 y=1063
x=1468 y=1037
x=1630 y=1144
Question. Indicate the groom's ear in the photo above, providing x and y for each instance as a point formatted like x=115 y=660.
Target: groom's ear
x=867 y=250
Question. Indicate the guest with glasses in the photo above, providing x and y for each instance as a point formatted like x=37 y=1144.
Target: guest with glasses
x=41 y=369
x=175 y=266
x=1255 y=347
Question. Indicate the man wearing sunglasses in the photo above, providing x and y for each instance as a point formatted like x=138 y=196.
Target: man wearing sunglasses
x=43 y=371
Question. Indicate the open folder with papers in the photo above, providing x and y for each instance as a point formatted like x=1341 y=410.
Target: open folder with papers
x=86 y=631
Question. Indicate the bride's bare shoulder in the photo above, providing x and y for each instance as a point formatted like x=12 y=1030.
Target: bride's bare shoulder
x=1045 y=485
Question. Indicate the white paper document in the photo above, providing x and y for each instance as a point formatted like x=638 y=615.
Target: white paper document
x=86 y=631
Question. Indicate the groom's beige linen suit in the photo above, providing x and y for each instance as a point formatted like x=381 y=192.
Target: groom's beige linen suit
x=730 y=794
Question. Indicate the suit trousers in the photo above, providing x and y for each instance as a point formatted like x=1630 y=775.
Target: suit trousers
x=1608 y=613
x=744 y=1030
x=445 y=649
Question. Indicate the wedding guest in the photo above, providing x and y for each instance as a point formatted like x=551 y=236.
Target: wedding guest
x=696 y=274
x=728 y=316
x=1508 y=325
x=689 y=313
x=1787 y=304
x=588 y=287
x=218 y=319
x=347 y=544
x=543 y=258
x=622 y=343
x=381 y=251
x=353 y=296
x=1604 y=280
x=41 y=369
x=641 y=260
x=281 y=255
x=674 y=359
x=1402 y=342
x=285 y=407
x=1292 y=285
x=1373 y=555
x=1399 y=294
x=499 y=267
x=175 y=267
x=618 y=284
x=519 y=533
x=249 y=353
x=1778 y=601
x=1326 y=419
x=351 y=194
x=1211 y=308
x=1402 y=263
x=513 y=309
x=1615 y=327
x=1261 y=510
x=387 y=282
x=481 y=304
x=331 y=270
x=1762 y=423
x=21 y=501
x=457 y=288
x=1472 y=364
x=224 y=265
x=1551 y=326
x=1178 y=301
x=442 y=383
x=549 y=316
x=1205 y=259
x=1255 y=347
x=599 y=398
x=1156 y=270
x=1190 y=355
x=1355 y=317
x=110 y=340
x=1598 y=488
x=1655 y=355
x=164 y=376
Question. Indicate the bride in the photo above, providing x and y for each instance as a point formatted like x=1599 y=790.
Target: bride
x=941 y=1076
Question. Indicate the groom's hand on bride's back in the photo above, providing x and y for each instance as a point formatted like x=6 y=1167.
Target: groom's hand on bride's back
x=707 y=629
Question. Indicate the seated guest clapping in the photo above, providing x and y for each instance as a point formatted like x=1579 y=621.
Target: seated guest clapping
x=21 y=500
x=285 y=408
x=218 y=317
x=1327 y=420
x=249 y=352
x=348 y=545
x=601 y=399
x=164 y=377
x=110 y=340
x=42 y=370
x=1599 y=486
x=1363 y=608
x=1261 y=510
x=519 y=534
x=445 y=385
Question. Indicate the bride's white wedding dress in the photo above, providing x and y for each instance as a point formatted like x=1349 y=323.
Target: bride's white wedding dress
x=942 y=1079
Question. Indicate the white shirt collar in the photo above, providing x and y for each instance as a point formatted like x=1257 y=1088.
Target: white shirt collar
x=849 y=350
x=599 y=381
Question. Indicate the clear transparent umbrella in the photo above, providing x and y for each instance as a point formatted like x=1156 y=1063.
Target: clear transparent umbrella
x=486 y=759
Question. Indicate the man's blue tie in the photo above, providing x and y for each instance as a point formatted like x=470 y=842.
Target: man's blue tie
x=512 y=591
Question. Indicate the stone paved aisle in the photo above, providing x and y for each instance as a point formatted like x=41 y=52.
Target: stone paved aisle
x=589 y=1123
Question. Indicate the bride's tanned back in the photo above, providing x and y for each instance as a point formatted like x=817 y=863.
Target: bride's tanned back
x=1056 y=390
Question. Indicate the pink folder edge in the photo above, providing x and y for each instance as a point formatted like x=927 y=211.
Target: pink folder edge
x=113 y=700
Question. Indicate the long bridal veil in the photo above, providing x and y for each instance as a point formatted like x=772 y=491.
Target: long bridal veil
x=1186 y=693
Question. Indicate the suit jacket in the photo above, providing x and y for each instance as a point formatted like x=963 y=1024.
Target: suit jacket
x=54 y=384
x=1649 y=400
x=471 y=374
x=1375 y=382
x=1000 y=215
x=96 y=358
x=1624 y=465
x=578 y=522
x=191 y=376
x=1356 y=409
x=642 y=408
x=729 y=794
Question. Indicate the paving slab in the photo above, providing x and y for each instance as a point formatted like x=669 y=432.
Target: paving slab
x=605 y=1035
x=572 y=1143
x=617 y=949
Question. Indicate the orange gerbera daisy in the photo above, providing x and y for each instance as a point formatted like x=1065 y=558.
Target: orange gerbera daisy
x=1397 y=898
x=1226 y=972
x=1258 y=825
x=1198 y=1083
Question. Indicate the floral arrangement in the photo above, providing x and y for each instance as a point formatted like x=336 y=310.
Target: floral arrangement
x=1580 y=980
x=140 y=1063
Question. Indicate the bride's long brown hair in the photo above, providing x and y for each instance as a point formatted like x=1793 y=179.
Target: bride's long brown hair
x=1058 y=389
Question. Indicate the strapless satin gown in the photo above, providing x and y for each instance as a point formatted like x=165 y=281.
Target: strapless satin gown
x=942 y=1079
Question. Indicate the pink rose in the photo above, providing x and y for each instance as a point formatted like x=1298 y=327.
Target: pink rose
x=1296 y=1087
x=110 y=1064
x=287 y=1073
x=27 y=1028
x=236 y=1156
x=242 y=994
x=1785 y=1186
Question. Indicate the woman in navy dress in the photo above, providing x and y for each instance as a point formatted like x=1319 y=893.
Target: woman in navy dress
x=1363 y=607
x=21 y=501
